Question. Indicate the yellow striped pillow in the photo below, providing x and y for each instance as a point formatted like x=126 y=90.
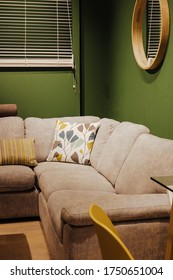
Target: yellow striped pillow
x=17 y=151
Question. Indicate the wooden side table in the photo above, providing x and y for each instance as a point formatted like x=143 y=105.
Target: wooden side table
x=167 y=182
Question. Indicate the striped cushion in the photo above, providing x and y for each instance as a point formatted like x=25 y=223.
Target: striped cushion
x=17 y=151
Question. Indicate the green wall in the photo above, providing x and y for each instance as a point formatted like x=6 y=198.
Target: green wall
x=114 y=84
x=135 y=94
x=94 y=37
x=44 y=93
x=109 y=81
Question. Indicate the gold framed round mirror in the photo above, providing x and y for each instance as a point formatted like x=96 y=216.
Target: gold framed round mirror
x=157 y=28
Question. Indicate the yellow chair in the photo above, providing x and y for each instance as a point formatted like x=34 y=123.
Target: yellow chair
x=112 y=247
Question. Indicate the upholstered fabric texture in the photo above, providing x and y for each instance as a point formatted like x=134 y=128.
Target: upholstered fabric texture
x=17 y=151
x=16 y=178
x=150 y=156
x=119 y=208
x=11 y=127
x=41 y=129
x=107 y=126
x=72 y=207
x=19 y=204
x=73 y=142
x=55 y=176
x=117 y=148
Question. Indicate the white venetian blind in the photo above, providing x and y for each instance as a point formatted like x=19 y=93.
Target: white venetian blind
x=154 y=27
x=36 y=33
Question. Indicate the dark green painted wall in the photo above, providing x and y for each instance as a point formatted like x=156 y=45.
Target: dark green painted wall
x=44 y=93
x=137 y=95
x=94 y=39
x=114 y=84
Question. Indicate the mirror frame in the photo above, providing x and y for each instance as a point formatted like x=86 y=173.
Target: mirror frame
x=137 y=36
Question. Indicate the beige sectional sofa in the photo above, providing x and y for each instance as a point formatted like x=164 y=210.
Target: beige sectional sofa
x=123 y=158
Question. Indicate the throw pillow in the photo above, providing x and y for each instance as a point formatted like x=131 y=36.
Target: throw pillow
x=73 y=142
x=17 y=151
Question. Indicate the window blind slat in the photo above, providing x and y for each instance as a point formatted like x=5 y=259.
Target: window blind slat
x=154 y=27
x=36 y=33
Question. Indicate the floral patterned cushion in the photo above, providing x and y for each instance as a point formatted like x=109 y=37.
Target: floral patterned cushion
x=73 y=142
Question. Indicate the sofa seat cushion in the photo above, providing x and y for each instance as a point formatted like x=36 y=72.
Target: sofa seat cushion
x=73 y=207
x=15 y=178
x=54 y=176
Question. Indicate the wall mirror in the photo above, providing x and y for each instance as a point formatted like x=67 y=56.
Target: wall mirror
x=150 y=32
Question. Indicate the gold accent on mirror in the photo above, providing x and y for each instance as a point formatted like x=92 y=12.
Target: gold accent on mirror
x=157 y=32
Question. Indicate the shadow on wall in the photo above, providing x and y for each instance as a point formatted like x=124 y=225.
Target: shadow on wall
x=149 y=76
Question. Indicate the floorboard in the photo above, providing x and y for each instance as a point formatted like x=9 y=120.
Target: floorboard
x=34 y=235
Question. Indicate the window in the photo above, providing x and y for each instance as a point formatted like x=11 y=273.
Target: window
x=36 y=33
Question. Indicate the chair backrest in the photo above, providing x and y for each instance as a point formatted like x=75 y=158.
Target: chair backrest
x=111 y=245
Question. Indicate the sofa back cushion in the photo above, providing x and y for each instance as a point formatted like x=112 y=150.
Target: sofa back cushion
x=150 y=156
x=117 y=148
x=11 y=127
x=43 y=131
x=105 y=130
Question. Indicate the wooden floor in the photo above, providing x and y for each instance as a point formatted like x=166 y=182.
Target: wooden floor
x=34 y=235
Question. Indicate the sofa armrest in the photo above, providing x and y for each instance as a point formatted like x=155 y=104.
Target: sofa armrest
x=7 y=110
x=120 y=208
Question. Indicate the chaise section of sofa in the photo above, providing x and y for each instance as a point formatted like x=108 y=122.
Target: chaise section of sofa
x=141 y=221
